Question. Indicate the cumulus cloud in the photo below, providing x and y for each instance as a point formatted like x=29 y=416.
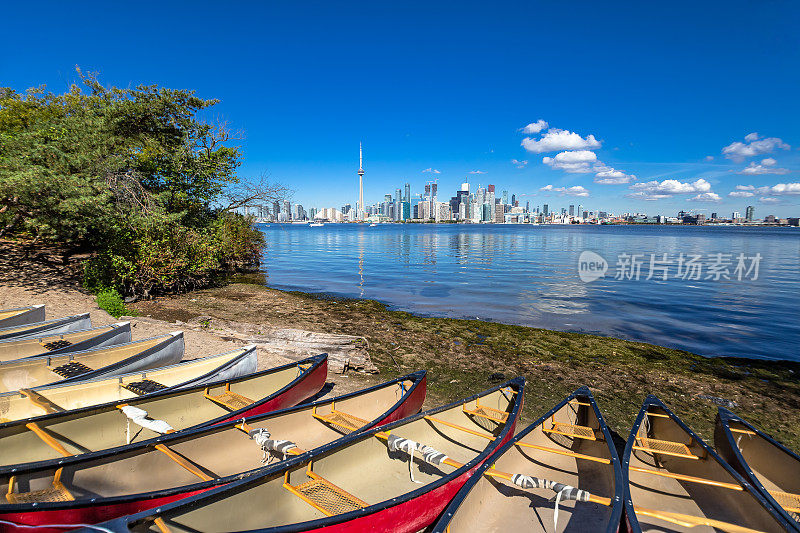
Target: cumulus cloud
x=657 y=190
x=706 y=197
x=768 y=200
x=556 y=140
x=433 y=170
x=518 y=163
x=577 y=190
x=574 y=162
x=534 y=127
x=767 y=166
x=753 y=146
x=612 y=176
x=477 y=172
x=779 y=189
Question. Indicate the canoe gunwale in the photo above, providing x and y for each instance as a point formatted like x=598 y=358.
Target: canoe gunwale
x=619 y=482
x=724 y=418
x=418 y=379
x=26 y=314
x=220 y=493
x=654 y=401
x=316 y=361
x=118 y=328
x=44 y=326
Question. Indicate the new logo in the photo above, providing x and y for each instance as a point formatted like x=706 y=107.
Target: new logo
x=591 y=266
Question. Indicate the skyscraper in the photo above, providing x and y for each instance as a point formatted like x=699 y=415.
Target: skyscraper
x=407 y=197
x=749 y=213
x=545 y=209
x=360 y=214
x=572 y=210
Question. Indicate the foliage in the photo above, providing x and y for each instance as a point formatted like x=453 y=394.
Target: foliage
x=133 y=175
x=111 y=301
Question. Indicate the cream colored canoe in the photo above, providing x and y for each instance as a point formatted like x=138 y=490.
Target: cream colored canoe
x=29 y=403
x=90 y=364
x=21 y=316
x=78 y=341
x=48 y=327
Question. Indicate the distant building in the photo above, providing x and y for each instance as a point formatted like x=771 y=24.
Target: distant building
x=749 y=213
x=572 y=210
x=769 y=219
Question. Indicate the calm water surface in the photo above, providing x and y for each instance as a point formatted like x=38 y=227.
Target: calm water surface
x=528 y=275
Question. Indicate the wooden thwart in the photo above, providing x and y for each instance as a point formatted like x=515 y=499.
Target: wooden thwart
x=183 y=462
x=683 y=477
x=461 y=428
x=40 y=401
x=565 y=452
x=47 y=439
x=229 y=399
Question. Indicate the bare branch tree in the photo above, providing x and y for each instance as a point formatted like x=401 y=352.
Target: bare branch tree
x=251 y=193
x=128 y=191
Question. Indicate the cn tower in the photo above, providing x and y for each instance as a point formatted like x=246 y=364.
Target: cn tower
x=360 y=212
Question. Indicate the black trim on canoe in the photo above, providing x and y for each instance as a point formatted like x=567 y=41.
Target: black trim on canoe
x=315 y=362
x=92 y=343
x=619 y=482
x=38 y=328
x=122 y=452
x=653 y=401
x=725 y=444
x=220 y=493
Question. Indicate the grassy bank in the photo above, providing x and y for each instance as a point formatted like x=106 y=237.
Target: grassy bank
x=465 y=356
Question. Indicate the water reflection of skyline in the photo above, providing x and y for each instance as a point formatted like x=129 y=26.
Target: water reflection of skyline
x=527 y=275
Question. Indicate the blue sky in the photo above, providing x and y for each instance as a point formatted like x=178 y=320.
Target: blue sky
x=661 y=89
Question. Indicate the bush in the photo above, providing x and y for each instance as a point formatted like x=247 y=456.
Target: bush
x=110 y=301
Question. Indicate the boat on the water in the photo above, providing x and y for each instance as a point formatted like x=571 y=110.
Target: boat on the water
x=772 y=468
x=39 y=401
x=397 y=477
x=21 y=315
x=77 y=341
x=117 y=424
x=316 y=225
x=561 y=473
x=47 y=327
x=161 y=470
x=676 y=482
x=89 y=364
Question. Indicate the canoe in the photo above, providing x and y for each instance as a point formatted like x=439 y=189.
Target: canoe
x=47 y=327
x=676 y=482
x=30 y=403
x=76 y=341
x=769 y=466
x=398 y=477
x=115 y=424
x=567 y=452
x=90 y=364
x=21 y=316
x=170 y=467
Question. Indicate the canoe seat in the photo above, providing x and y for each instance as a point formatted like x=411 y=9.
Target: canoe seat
x=490 y=413
x=344 y=422
x=146 y=386
x=55 y=345
x=787 y=500
x=324 y=495
x=664 y=447
x=229 y=399
x=571 y=430
x=57 y=492
x=71 y=369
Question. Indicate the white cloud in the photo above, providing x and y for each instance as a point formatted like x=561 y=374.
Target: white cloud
x=477 y=172
x=433 y=170
x=753 y=146
x=779 y=189
x=534 y=127
x=706 y=197
x=568 y=191
x=518 y=163
x=574 y=162
x=767 y=166
x=709 y=158
x=768 y=200
x=612 y=176
x=740 y=194
x=556 y=140
x=658 y=190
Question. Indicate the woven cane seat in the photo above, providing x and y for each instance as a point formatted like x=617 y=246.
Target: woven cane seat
x=71 y=369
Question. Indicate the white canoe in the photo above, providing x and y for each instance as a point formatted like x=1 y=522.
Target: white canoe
x=49 y=327
x=77 y=341
x=21 y=316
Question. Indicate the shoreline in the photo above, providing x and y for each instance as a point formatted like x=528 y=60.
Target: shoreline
x=463 y=356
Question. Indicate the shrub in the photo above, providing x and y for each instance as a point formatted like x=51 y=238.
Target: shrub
x=110 y=301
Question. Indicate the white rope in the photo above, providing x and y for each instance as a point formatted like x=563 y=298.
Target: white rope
x=139 y=417
x=59 y=526
x=562 y=491
x=262 y=438
x=429 y=455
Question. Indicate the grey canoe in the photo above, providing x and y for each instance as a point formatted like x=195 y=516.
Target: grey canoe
x=21 y=316
x=58 y=398
x=58 y=343
x=100 y=362
x=48 y=327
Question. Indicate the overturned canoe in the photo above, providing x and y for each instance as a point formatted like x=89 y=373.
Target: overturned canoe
x=76 y=341
x=772 y=468
x=116 y=424
x=30 y=403
x=568 y=455
x=48 y=327
x=398 y=477
x=676 y=482
x=21 y=316
x=151 y=473
x=90 y=364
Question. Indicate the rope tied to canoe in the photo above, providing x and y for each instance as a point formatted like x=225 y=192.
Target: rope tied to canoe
x=562 y=490
x=429 y=455
x=262 y=438
x=140 y=418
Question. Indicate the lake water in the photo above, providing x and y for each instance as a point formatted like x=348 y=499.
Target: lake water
x=529 y=275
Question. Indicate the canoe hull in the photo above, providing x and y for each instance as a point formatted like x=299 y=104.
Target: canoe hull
x=30 y=315
x=51 y=327
x=119 y=334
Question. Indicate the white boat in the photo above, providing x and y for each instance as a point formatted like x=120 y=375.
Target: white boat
x=372 y=225
x=316 y=225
